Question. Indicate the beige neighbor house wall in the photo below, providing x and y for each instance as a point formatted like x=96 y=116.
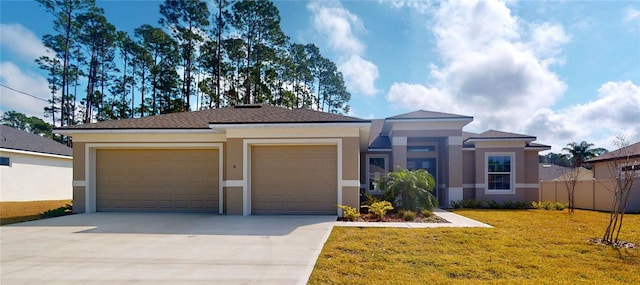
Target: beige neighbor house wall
x=32 y=176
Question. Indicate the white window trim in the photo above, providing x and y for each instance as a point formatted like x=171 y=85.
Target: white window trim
x=386 y=168
x=512 y=183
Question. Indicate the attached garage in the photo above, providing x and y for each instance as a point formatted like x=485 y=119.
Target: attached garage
x=157 y=180
x=294 y=179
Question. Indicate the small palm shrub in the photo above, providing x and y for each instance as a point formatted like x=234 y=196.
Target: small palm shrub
x=349 y=213
x=410 y=190
x=379 y=209
x=408 y=216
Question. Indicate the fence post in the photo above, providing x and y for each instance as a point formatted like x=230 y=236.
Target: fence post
x=593 y=193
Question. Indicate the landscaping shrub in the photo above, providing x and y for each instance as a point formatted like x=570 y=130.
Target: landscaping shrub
x=349 y=213
x=62 y=211
x=408 y=216
x=379 y=209
x=548 y=205
x=370 y=199
x=426 y=213
x=486 y=204
x=411 y=190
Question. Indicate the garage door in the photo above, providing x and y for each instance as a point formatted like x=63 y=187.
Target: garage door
x=160 y=180
x=293 y=179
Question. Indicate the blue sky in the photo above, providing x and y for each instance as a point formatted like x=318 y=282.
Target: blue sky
x=560 y=70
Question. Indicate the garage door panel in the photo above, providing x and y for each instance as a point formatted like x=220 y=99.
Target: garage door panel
x=182 y=180
x=293 y=179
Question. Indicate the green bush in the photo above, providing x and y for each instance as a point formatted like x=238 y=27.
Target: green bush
x=486 y=204
x=379 y=209
x=408 y=216
x=62 y=211
x=411 y=190
x=426 y=213
x=349 y=213
x=548 y=205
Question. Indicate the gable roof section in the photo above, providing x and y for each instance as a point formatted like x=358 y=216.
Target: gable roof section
x=15 y=139
x=428 y=115
x=237 y=115
x=378 y=141
x=492 y=135
x=632 y=150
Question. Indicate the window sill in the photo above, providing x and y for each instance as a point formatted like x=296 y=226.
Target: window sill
x=499 y=192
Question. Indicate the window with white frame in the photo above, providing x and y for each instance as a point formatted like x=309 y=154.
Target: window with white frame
x=500 y=172
x=5 y=161
x=376 y=168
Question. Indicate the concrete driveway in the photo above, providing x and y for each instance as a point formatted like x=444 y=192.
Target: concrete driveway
x=152 y=248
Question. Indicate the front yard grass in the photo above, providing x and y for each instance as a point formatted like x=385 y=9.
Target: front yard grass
x=524 y=247
x=16 y=212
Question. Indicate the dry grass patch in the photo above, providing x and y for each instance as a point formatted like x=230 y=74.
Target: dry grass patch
x=525 y=247
x=16 y=212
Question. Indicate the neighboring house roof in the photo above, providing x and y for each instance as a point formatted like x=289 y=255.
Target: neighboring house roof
x=549 y=172
x=632 y=151
x=242 y=114
x=428 y=115
x=583 y=174
x=15 y=139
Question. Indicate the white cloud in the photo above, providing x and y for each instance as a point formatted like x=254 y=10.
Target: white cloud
x=615 y=111
x=360 y=74
x=340 y=28
x=495 y=67
x=31 y=83
x=631 y=14
x=23 y=42
x=420 y=6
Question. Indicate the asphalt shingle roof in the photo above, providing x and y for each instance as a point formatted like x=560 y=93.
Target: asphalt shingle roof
x=632 y=150
x=15 y=139
x=422 y=114
x=493 y=134
x=245 y=114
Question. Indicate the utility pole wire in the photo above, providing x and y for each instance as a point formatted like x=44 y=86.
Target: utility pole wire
x=21 y=92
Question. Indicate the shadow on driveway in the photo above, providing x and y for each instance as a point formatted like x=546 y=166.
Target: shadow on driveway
x=182 y=223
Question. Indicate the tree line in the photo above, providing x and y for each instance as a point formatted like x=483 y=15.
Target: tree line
x=236 y=54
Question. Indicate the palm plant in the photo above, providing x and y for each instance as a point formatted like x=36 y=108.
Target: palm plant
x=410 y=190
x=580 y=152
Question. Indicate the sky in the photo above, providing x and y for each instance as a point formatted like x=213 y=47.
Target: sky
x=562 y=71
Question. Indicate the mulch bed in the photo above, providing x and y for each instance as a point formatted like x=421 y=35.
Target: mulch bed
x=396 y=218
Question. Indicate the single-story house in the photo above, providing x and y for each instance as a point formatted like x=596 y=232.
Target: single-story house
x=261 y=159
x=33 y=168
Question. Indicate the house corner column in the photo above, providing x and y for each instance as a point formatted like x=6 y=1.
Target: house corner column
x=399 y=148
x=454 y=170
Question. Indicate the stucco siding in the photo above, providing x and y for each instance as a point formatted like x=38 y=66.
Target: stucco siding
x=35 y=177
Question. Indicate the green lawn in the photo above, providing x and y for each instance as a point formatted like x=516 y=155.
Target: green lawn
x=525 y=247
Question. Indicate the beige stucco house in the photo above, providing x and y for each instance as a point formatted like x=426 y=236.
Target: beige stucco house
x=261 y=159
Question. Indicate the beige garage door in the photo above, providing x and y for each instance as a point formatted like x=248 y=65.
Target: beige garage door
x=293 y=179
x=157 y=180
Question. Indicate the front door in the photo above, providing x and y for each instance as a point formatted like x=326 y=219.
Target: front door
x=427 y=163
